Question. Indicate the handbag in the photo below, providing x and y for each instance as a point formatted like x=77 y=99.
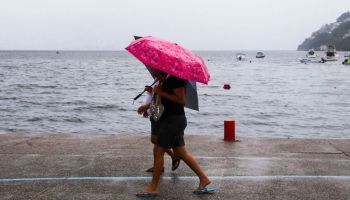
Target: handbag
x=156 y=108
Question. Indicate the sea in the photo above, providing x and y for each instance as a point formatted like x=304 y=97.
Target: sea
x=91 y=92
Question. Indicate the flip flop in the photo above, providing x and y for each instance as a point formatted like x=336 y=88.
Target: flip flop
x=175 y=164
x=147 y=194
x=204 y=191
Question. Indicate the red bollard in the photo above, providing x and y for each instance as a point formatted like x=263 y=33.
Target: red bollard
x=230 y=130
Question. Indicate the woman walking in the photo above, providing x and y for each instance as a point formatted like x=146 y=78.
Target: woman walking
x=144 y=110
x=170 y=129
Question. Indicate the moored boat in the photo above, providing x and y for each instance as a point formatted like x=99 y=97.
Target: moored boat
x=240 y=56
x=260 y=55
x=311 y=54
x=331 y=54
x=346 y=61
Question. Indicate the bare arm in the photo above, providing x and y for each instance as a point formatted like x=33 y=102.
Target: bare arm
x=178 y=96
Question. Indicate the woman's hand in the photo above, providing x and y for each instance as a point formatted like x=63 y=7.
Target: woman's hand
x=145 y=114
x=148 y=89
x=143 y=109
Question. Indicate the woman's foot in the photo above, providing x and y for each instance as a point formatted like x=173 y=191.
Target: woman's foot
x=148 y=192
x=152 y=169
x=202 y=187
x=175 y=164
x=203 y=183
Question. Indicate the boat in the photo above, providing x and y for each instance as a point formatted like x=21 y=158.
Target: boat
x=307 y=60
x=331 y=54
x=346 y=61
x=260 y=55
x=240 y=56
x=311 y=54
x=346 y=54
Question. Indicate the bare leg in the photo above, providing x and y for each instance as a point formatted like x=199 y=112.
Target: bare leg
x=182 y=153
x=158 y=166
x=170 y=153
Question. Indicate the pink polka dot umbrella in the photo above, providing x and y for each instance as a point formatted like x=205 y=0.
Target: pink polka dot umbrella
x=169 y=57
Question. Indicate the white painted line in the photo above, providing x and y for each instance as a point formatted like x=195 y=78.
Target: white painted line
x=137 y=178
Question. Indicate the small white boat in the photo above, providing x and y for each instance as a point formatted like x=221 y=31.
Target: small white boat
x=260 y=55
x=331 y=54
x=311 y=54
x=240 y=56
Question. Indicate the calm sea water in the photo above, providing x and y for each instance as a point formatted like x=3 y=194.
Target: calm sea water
x=92 y=92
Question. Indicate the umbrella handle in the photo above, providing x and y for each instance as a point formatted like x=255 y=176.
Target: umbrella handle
x=139 y=95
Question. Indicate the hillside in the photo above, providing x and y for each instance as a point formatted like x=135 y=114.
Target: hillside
x=337 y=33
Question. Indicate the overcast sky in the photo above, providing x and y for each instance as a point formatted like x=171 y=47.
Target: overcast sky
x=196 y=24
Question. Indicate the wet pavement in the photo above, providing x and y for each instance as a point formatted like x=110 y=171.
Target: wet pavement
x=77 y=166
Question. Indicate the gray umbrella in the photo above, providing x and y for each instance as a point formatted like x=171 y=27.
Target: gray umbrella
x=190 y=88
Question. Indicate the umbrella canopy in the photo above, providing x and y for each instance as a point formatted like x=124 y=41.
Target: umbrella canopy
x=191 y=95
x=169 y=57
x=190 y=88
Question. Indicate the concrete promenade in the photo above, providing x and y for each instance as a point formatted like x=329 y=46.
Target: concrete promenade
x=76 y=166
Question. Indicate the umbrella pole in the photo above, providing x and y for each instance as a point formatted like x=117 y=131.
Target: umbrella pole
x=139 y=95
